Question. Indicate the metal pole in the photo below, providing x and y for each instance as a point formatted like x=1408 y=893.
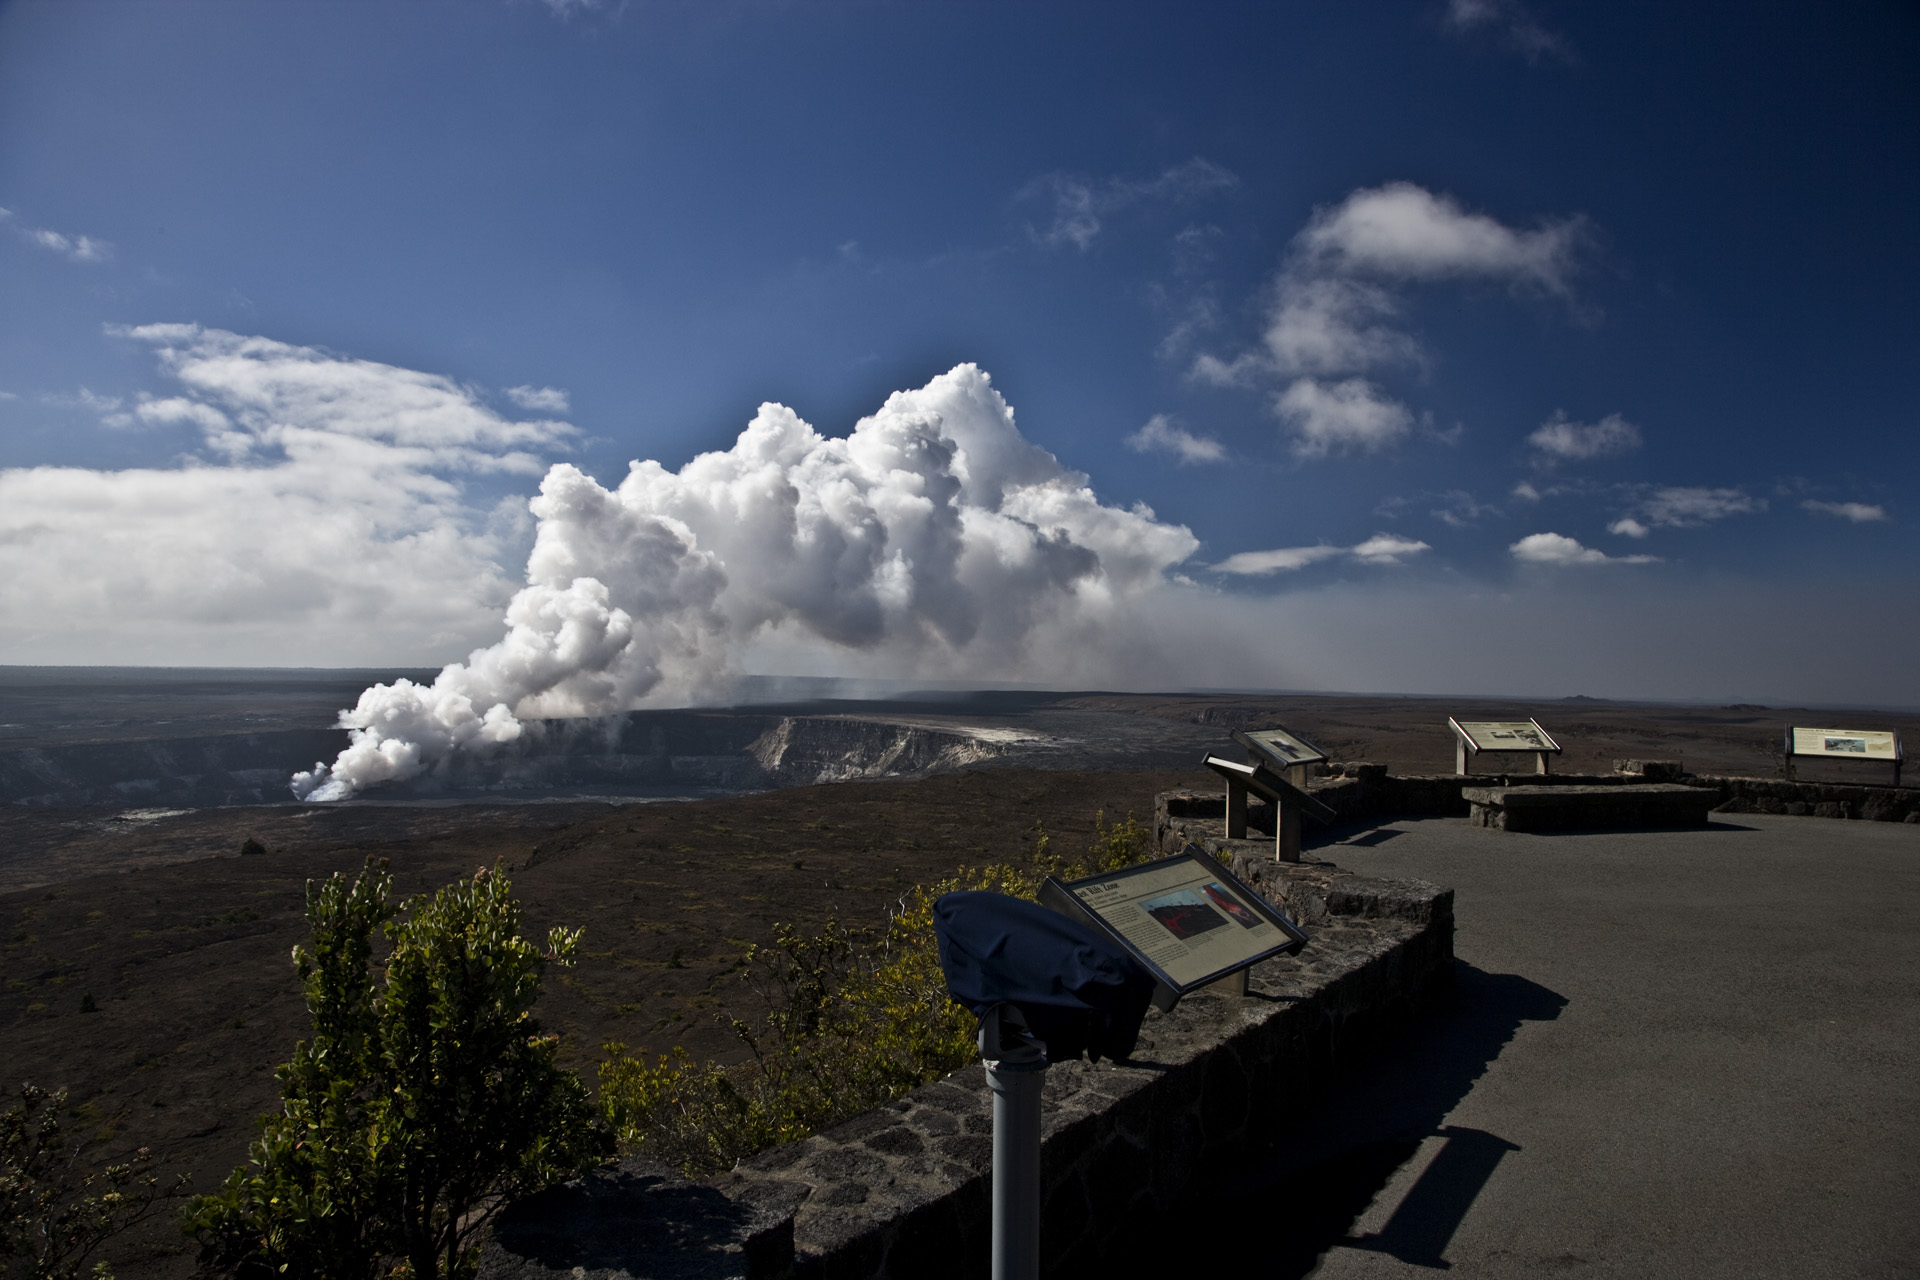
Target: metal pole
x=1016 y=1072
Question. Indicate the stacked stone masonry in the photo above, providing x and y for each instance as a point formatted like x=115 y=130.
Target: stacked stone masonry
x=905 y=1191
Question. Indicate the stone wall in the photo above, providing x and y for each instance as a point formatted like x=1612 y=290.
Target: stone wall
x=905 y=1191
x=1815 y=799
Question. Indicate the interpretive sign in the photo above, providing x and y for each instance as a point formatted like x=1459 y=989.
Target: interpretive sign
x=1278 y=748
x=1474 y=736
x=1846 y=744
x=1289 y=803
x=1187 y=919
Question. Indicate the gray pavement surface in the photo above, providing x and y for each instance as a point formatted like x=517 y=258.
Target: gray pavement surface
x=1674 y=1053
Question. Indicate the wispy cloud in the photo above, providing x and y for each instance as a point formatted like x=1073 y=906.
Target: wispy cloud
x=1162 y=434
x=539 y=399
x=1329 y=417
x=1338 y=304
x=1559 y=439
x=1460 y=509
x=74 y=248
x=1684 y=507
x=1381 y=549
x=322 y=508
x=1081 y=205
x=1514 y=23
x=1558 y=549
x=1858 y=512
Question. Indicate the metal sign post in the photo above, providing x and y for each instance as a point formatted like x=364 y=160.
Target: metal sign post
x=1016 y=1073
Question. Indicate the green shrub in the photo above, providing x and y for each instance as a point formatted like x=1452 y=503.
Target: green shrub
x=858 y=1018
x=49 y=1223
x=425 y=1101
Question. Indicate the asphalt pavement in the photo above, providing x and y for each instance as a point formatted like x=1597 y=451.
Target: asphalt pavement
x=1675 y=1053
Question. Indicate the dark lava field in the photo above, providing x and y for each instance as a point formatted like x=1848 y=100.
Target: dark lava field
x=673 y=838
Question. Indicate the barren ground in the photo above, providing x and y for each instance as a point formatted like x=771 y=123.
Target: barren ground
x=184 y=945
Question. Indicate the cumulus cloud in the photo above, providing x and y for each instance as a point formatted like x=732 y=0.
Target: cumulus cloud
x=322 y=517
x=1560 y=439
x=1858 y=512
x=1329 y=417
x=74 y=248
x=934 y=537
x=1381 y=548
x=1161 y=434
x=1404 y=232
x=1512 y=21
x=539 y=399
x=1385 y=548
x=1081 y=205
x=1684 y=507
x=1555 y=548
x=1338 y=306
x=1628 y=527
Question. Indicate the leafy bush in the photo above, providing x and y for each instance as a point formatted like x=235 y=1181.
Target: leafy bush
x=49 y=1225
x=424 y=1102
x=859 y=1017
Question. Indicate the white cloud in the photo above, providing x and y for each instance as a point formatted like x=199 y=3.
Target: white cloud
x=322 y=519
x=1081 y=204
x=1526 y=492
x=178 y=410
x=1328 y=417
x=1323 y=326
x=1628 y=527
x=1554 y=548
x=1381 y=548
x=1406 y=232
x=1337 y=306
x=539 y=399
x=75 y=248
x=1682 y=507
x=1385 y=548
x=1858 y=512
x=1513 y=21
x=1279 y=560
x=1162 y=434
x=1559 y=439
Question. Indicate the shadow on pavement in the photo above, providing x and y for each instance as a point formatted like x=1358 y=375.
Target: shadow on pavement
x=1280 y=1212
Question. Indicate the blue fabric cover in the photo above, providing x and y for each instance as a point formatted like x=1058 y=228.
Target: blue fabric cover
x=1077 y=990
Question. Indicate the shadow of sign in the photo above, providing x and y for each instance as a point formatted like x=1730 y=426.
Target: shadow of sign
x=1434 y=1207
x=1316 y=1181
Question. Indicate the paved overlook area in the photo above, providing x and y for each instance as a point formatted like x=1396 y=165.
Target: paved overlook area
x=1674 y=1053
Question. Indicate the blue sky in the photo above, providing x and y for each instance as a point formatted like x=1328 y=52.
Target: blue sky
x=1480 y=346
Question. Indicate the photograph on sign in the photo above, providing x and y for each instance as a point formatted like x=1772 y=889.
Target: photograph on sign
x=1285 y=749
x=1187 y=918
x=1506 y=735
x=1870 y=744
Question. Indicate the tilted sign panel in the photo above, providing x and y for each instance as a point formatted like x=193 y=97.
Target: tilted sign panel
x=1187 y=916
x=1846 y=744
x=1506 y=735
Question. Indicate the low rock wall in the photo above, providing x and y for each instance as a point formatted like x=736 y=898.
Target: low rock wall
x=905 y=1191
x=1656 y=804
x=1815 y=799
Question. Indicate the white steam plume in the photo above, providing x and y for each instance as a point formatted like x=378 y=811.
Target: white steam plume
x=935 y=538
